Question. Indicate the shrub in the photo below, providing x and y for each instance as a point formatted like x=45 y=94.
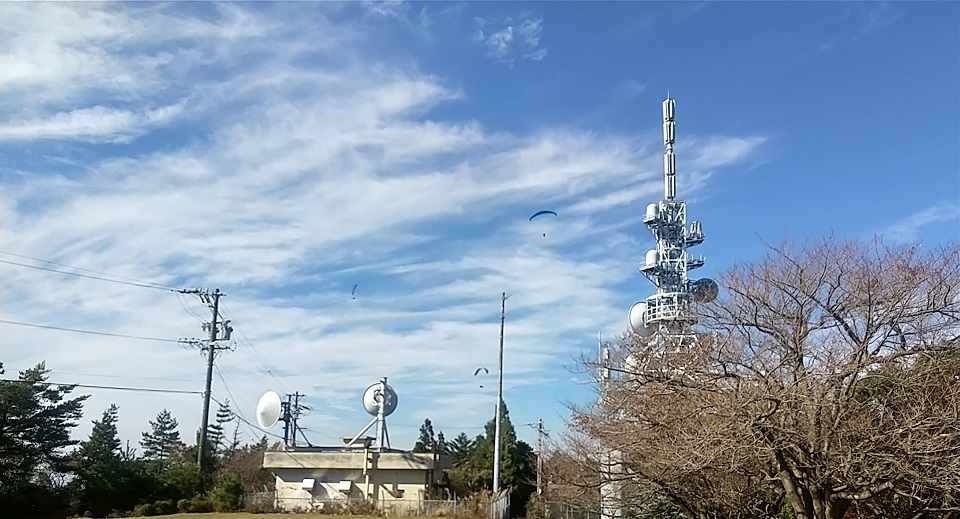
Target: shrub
x=260 y=507
x=144 y=510
x=227 y=495
x=195 y=505
x=165 y=507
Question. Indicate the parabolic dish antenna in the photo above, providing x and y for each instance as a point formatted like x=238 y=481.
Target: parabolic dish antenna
x=268 y=409
x=374 y=397
x=638 y=320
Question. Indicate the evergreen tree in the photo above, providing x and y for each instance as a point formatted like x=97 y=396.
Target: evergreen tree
x=215 y=431
x=517 y=471
x=35 y=423
x=162 y=443
x=426 y=440
x=442 y=446
x=104 y=482
x=461 y=448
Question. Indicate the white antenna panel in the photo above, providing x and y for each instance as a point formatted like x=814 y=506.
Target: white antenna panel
x=268 y=409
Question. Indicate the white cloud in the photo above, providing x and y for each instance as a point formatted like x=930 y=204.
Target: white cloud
x=289 y=181
x=512 y=39
x=908 y=229
x=97 y=123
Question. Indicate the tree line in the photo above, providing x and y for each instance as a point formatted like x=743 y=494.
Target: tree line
x=45 y=473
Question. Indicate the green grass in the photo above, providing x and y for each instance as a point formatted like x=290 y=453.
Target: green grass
x=242 y=515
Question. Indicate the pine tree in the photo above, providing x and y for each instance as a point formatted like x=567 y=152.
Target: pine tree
x=98 y=465
x=215 y=431
x=442 y=446
x=461 y=448
x=35 y=423
x=162 y=443
x=426 y=440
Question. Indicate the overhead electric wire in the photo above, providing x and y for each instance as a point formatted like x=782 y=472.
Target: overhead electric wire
x=120 y=388
x=60 y=328
x=142 y=285
x=157 y=285
x=124 y=376
x=262 y=359
x=186 y=307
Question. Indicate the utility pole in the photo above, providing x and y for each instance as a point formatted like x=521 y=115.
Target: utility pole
x=496 y=440
x=212 y=299
x=540 y=457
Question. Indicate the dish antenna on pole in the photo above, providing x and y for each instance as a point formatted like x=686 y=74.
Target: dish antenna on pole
x=268 y=409
x=379 y=400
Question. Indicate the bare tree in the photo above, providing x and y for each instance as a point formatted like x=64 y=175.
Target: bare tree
x=830 y=370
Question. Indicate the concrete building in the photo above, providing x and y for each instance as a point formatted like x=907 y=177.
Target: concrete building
x=310 y=478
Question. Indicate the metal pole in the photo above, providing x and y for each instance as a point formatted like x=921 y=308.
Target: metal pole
x=496 y=439
x=539 y=457
x=201 y=449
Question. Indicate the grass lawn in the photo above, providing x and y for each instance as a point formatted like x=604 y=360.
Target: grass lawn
x=241 y=515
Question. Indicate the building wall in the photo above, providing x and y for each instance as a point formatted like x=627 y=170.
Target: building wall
x=394 y=478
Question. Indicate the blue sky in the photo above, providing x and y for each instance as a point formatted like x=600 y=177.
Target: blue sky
x=285 y=152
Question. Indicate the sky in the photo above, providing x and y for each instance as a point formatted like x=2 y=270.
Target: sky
x=286 y=152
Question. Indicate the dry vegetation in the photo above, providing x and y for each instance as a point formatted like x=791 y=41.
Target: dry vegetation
x=826 y=383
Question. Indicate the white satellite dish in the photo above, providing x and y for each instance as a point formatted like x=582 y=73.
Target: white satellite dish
x=638 y=320
x=268 y=409
x=373 y=398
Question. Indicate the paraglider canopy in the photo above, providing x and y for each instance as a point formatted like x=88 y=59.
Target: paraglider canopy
x=541 y=213
x=475 y=373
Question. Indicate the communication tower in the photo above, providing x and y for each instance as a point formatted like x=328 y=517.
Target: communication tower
x=668 y=311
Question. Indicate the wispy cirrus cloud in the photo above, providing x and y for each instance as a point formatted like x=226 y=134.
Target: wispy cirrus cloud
x=509 y=39
x=297 y=167
x=908 y=229
x=97 y=123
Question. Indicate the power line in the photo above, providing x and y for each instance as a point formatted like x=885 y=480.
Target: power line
x=142 y=285
x=270 y=368
x=48 y=327
x=120 y=388
x=120 y=376
x=85 y=270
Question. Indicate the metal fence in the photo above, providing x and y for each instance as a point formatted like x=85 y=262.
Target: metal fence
x=496 y=508
x=500 y=505
x=556 y=510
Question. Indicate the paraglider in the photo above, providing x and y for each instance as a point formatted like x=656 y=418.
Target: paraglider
x=541 y=213
x=484 y=370
x=353 y=293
